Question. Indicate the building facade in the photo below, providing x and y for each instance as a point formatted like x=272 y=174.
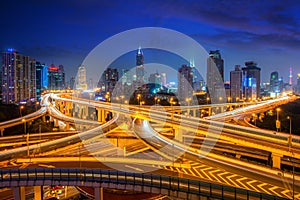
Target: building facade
x=215 y=76
x=81 y=83
x=185 y=82
x=251 y=80
x=56 y=77
x=140 y=71
x=18 y=78
x=236 y=86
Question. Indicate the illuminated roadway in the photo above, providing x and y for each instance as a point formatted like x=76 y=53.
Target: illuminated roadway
x=190 y=155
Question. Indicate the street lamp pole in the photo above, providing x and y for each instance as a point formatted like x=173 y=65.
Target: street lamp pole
x=277 y=121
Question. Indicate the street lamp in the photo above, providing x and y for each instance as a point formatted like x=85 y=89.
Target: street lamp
x=207 y=100
x=277 y=121
x=21 y=108
x=138 y=98
x=36 y=105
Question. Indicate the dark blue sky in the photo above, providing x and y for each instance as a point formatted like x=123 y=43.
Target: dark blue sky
x=64 y=31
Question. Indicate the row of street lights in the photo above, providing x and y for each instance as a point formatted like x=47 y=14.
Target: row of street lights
x=290 y=140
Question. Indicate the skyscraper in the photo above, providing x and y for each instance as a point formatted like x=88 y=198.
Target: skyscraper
x=236 y=80
x=274 y=84
x=164 y=79
x=39 y=79
x=140 y=66
x=185 y=82
x=81 y=83
x=156 y=79
x=56 y=77
x=18 y=77
x=108 y=80
x=215 y=75
x=251 y=82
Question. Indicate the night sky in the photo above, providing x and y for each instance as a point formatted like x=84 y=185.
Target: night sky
x=65 y=31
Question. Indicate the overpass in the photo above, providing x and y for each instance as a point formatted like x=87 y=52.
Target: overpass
x=175 y=187
x=132 y=110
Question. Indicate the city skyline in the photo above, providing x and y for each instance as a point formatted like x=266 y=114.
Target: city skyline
x=59 y=32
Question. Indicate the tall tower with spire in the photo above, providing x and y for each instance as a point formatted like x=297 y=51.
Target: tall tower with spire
x=140 y=65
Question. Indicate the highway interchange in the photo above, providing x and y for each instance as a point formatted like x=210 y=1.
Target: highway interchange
x=138 y=147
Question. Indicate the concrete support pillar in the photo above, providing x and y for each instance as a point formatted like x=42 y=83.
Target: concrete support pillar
x=276 y=160
x=178 y=134
x=51 y=119
x=56 y=123
x=67 y=126
x=98 y=193
x=222 y=109
x=69 y=108
x=194 y=112
x=44 y=118
x=2 y=131
x=209 y=111
x=38 y=192
x=19 y=193
x=99 y=115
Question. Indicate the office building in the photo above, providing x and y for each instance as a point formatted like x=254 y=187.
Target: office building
x=156 y=79
x=185 y=82
x=236 y=87
x=56 y=77
x=251 y=80
x=140 y=71
x=108 y=80
x=18 y=78
x=81 y=83
x=215 y=76
x=40 y=76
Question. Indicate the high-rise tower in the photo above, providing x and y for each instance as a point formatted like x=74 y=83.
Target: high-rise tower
x=185 y=82
x=140 y=65
x=215 y=75
x=251 y=82
x=81 y=78
x=18 y=77
x=236 y=79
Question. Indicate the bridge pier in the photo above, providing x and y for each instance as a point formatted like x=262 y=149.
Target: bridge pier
x=100 y=115
x=67 y=126
x=209 y=111
x=19 y=193
x=98 y=191
x=56 y=124
x=2 y=131
x=178 y=134
x=38 y=192
x=276 y=160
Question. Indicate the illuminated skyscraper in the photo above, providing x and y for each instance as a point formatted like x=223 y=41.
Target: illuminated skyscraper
x=18 y=78
x=108 y=80
x=236 y=79
x=164 y=79
x=215 y=75
x=140 y=66
x=81 y=78
x=274 y=84
x=251 y=82
x=56 y=77
x=40 y=68
x=185 y=82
